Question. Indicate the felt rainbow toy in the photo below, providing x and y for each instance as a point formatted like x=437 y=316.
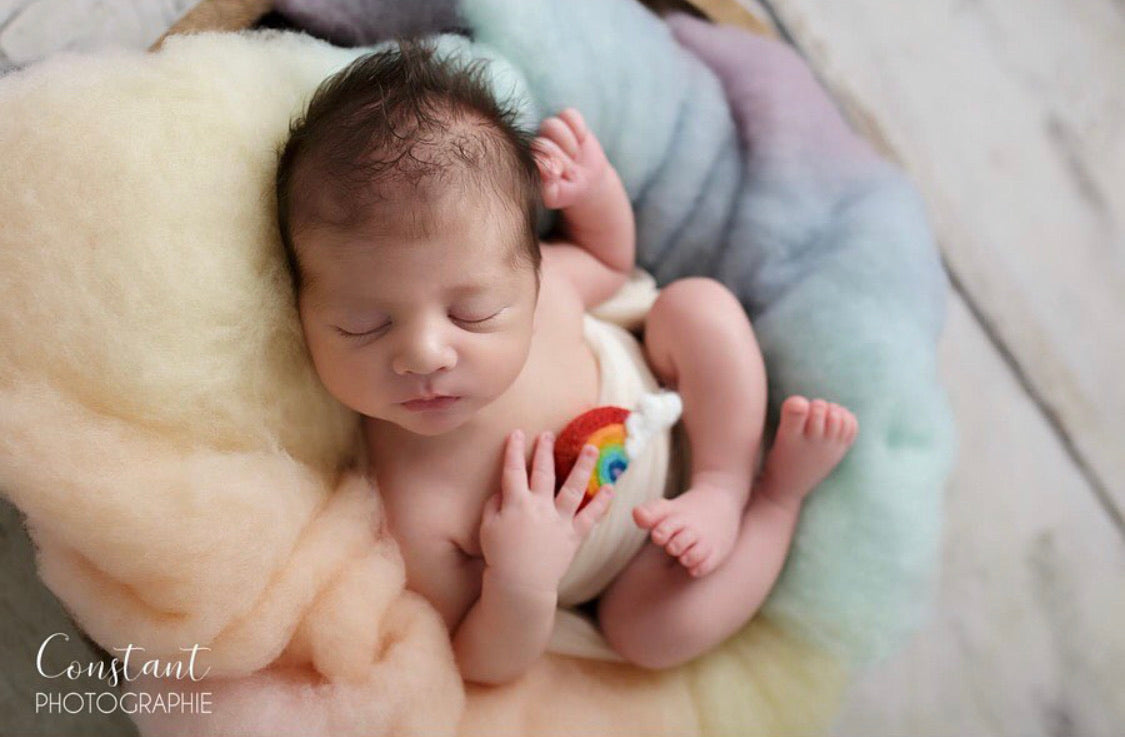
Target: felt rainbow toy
x=618 y=434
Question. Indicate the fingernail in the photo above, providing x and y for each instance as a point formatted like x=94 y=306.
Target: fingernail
x=590 y=450
x=517 y=435
x=548 y=436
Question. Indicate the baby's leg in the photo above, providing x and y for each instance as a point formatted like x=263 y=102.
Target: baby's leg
x=655 y=614
x=698 y=340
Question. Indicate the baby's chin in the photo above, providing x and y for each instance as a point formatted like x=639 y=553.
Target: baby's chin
x=431 y=429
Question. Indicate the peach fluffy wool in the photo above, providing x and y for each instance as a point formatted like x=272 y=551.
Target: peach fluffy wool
x=185 y=478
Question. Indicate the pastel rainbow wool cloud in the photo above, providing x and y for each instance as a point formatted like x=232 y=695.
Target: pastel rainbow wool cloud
x=168 y=391
x=618 y=434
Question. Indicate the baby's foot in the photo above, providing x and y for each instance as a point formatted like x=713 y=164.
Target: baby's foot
x=698 y=527
x=812 y=437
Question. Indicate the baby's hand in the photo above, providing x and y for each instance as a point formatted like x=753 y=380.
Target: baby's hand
x=571 y=161
x=528 y=535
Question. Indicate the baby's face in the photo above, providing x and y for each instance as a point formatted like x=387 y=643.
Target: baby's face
x=395 y=319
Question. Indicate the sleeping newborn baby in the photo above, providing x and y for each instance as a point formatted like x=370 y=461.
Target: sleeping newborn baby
x=408 y=204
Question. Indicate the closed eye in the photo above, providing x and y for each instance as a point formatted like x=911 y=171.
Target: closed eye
x=364 y=334
x=471 y=320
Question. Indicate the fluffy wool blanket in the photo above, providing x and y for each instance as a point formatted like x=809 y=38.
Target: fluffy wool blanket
x=186 y=480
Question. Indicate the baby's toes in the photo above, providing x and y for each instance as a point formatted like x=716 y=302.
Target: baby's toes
x=795 y=408
x=817 y=416
x=663 y=532
x=833 y=422
x=794 y=413
x=845 y=424
x=705 y=567
x=839 y=424
x=695 y=555
x=681 y=541
x=649 y=514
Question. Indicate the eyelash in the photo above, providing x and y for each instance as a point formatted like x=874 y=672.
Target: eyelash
x=475 y=322
x=383 y=327
x=367 y=334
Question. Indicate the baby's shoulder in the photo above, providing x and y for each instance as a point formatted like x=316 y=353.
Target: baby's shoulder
x=556 y=288
x=559 y=314
x=580 y=275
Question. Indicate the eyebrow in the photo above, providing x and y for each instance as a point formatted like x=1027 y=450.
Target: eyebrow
x=335 y=301
x=472 y=288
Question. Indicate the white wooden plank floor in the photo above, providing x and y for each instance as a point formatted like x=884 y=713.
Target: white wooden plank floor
x=1011 y=118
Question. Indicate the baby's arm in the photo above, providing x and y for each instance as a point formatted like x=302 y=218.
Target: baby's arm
x=528 y=538
x=505 y=631
x=497 y=631
x=599 y=249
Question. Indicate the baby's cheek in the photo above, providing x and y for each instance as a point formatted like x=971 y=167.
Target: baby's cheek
x=506 y=360
x=343 y=375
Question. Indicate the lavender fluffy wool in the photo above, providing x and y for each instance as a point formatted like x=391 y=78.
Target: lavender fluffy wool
x=179 y=464
x=363 y=22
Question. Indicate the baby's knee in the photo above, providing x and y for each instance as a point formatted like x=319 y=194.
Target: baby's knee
x=694 y=297
x=654 y=638
x=652 y=653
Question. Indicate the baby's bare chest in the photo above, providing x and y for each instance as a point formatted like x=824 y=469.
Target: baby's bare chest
x=439 y=489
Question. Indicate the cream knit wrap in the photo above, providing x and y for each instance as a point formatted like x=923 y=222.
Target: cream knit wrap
x=626 y=381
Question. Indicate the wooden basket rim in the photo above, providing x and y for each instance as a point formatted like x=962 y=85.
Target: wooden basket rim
x=236 y=15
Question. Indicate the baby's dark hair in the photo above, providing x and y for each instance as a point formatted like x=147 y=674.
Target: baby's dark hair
x=405 y=116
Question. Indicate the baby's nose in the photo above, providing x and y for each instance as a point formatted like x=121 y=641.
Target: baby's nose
x=424 y=353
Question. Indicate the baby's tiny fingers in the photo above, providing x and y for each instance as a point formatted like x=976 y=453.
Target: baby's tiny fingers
x=514 y=477
x=573 y=490
x=574 y=119
x=543 y=465
x=569 y=499
x=552 y=159
x=544 y=159
x=593 y=512
x=554 y=129
x=583 y=467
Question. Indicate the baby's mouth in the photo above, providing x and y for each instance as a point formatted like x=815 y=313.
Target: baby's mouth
x=435 y=402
